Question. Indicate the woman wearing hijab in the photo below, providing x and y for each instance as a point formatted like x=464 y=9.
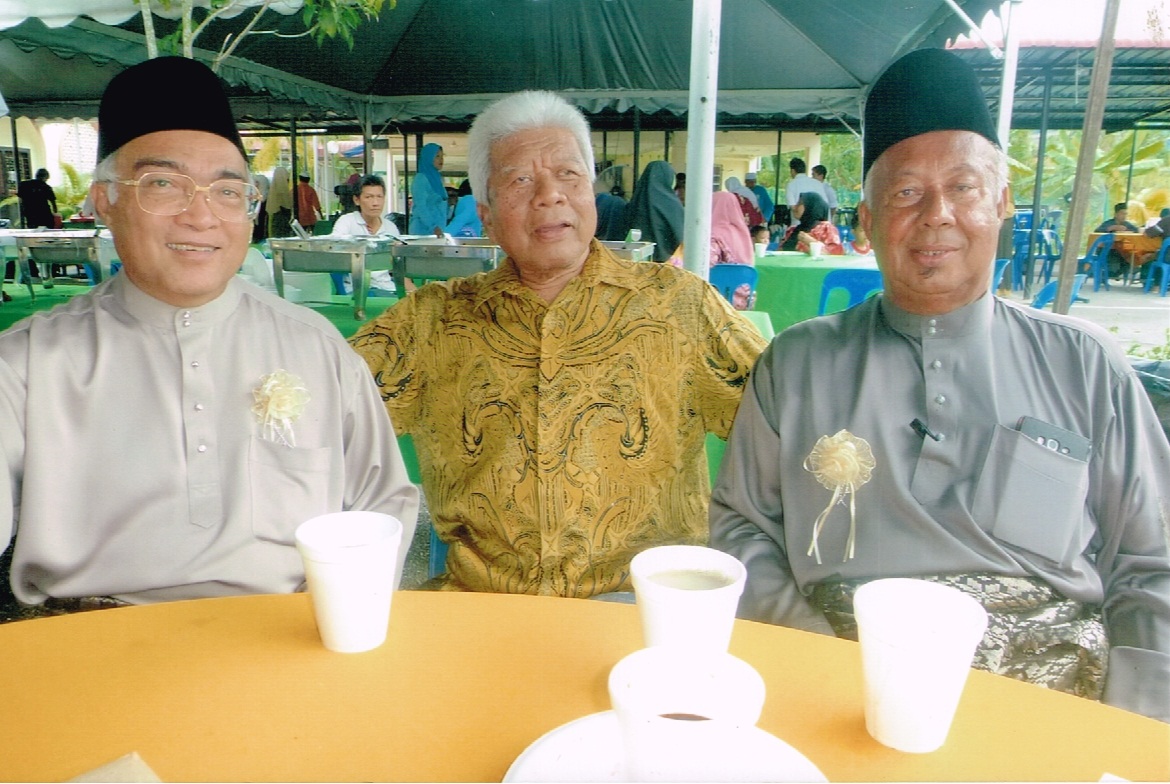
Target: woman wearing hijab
x=465 y=222
x=749 y=203
x=812 y=212
x=260 y=228
x=731 y=243
x=428 y=209
x=656 y=211
x=612 y=221
x=280 y=204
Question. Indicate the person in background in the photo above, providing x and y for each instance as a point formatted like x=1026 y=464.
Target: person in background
x=801 y=183
x=370 y=220
x=238 y=415
x=749 y=205
x=1161 y=226
x=428 y=211
x=465 y=222
x=612 y=216
x=308 y=204
x=656 y=211
x=859 y=245
x=260 y=226
x=812 y=216
x=38 y=202
x=763 y=198
x=559 y=403
x=761 y=235
x=819 y=174
x=680 y=187
x=280 y=204
x=1118 y=264
x=913 y=393
x=731 y=243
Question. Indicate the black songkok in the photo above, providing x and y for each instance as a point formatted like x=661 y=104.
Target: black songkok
x=923 y=91
x=163 y=94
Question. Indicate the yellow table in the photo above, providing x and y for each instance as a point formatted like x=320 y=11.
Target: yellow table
x=241 y=689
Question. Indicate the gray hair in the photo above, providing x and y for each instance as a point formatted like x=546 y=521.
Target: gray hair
x=998 y=167
x=520 y=112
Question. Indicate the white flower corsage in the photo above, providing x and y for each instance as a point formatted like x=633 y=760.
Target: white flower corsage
x=279 y=401
x=841 y=463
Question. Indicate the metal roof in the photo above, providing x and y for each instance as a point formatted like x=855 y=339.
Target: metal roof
x=1139 y=84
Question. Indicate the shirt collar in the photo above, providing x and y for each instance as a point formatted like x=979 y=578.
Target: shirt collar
x=601 y=266
x=157 y=313
x=972 y=318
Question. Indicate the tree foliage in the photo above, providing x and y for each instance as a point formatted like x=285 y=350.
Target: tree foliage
x=322 y=19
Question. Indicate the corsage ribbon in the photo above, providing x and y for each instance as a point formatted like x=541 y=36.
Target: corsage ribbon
x=279 y=401
x=842 y=463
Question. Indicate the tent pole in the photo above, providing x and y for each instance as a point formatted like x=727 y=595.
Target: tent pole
x=15 y=165
x=1090 y=135
x=1007 y=85
x=406 y=177
x=776 y=185
x=666 y=137
x=296 y=202
x=704 y=88
x=1038 y=187
x=637 y=145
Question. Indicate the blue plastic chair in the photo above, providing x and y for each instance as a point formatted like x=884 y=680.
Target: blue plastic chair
x=1051 y=249
x=726 y=278
x=1021 y=240
x=859 y=283
x=997 y=278
x=1047 y=293
x=1159 y=265
x=1096 y=261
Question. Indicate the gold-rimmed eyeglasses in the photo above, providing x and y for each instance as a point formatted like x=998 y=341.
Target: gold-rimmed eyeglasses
x=168 y=193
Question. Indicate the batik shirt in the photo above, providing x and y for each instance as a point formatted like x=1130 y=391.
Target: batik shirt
x=557 y=440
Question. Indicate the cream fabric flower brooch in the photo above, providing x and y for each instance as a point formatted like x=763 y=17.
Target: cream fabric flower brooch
x=279 y=401
x=842 y=463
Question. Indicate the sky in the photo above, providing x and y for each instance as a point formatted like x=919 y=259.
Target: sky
x=1080 y=20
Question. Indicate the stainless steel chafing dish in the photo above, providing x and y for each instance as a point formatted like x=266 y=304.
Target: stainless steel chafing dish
x=432 y=258
x=355 y=255
x=634 y=251
x=45 y=248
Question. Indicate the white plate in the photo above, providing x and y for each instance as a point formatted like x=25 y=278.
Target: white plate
x=590 y=749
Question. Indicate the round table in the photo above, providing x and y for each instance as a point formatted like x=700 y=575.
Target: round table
x=241 y=689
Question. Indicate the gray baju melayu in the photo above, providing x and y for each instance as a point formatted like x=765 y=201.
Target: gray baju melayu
x=135 y=467
x=982 y=498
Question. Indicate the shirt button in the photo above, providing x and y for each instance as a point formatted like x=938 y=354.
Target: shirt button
x=202 y=447
x=940 y=399
x=933 y=322
x=186 y=323
x=198 y=406
x=936 y=364
x=931 y=330
x=941 y=437
x=195 y=363
x=186 y=314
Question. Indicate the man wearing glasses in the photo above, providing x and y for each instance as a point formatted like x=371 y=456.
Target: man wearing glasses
x=164 y=434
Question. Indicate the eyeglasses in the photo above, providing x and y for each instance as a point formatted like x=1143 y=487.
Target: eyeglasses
x=165 y=193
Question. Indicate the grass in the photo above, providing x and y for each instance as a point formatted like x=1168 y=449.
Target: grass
x=339 y=310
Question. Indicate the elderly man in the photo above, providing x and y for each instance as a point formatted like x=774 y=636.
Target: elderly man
x=559 y=403
x=1004 y=450
x=185 y=422
x=765 y=198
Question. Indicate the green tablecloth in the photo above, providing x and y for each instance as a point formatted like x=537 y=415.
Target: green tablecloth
x=789 y=285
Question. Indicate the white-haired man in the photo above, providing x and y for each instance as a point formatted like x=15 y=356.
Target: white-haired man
x=1006 y=451
x=559 y=404
x=184 y=422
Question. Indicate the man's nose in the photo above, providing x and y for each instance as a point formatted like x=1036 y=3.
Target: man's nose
x=937 y=209
x=198 y=212
x=549 y=190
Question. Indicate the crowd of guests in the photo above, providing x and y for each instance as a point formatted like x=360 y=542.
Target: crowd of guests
x=560 y=403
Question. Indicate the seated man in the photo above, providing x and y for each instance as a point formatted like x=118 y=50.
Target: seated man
x=559 y=404
x=370 y=220
x=163 y=435
x=1161 y=227
x=1119 y=222
x=909 y=404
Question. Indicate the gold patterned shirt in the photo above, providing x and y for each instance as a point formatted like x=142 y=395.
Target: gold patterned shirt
x=556 y=440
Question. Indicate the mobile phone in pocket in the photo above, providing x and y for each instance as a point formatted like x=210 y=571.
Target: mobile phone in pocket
x=1056 y=438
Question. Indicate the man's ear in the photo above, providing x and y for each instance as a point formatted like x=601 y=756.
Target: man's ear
x=99 y=195
x=864 y=219
x=485 y=217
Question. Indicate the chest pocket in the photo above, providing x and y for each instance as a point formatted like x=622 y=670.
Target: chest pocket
x=288 y=486
x=1033 y=498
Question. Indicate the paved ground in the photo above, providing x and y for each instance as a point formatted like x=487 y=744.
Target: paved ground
x=1137 y=318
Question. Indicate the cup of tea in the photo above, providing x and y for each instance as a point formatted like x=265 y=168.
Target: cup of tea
x=816 y=248
x=679 y=711
x=687 y=596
